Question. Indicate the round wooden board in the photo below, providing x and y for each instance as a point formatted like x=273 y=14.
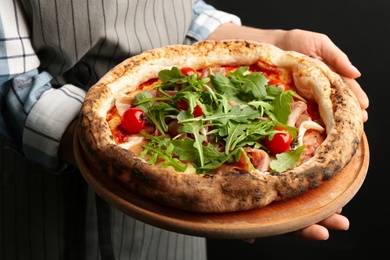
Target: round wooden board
x=274 y=219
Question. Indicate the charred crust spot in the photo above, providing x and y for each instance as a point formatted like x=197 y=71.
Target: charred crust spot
x=315 y=183
x=138 y=171
x=238 y=174
x=291 y=185
x=329 y=147
x=241 y=186
x=321 y=159
x=258 y=197
x=356 y=143
x=209 y=176
x=138 y=174
x=159 y=198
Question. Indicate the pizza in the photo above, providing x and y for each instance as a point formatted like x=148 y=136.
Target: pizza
x=220 y=126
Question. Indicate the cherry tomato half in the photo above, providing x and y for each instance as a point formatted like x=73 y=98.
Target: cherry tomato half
x=280 y=143
x=198 y=111
x=133 y=120
x=183 y=105
x=188 y=71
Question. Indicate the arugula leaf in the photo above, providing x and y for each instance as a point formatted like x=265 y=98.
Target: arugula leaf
x=160 y=147
x=235 y=114
x=194 y=129
x=155 y=113
x=191 y=97
x=171 y=76
x=185 y=149
x=239 y=72
x=249 y=85
x=286 y=160
x=244 y=114
x=213 y=159
x=221 y=116
x=254 y=84
x=235 y=134
x=254 y=132
x=224 y=85
x=264 y=108
x=282 y=108
x=273 y=91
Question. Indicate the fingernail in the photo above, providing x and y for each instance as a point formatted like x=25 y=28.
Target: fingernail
x=355 y=69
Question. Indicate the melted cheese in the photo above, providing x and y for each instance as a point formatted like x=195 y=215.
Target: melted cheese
x=135 y=144
x=306 y=125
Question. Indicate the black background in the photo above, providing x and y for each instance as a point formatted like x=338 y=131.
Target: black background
x=361 y=29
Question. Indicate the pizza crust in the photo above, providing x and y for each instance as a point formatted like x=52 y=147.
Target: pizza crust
x=234 y=191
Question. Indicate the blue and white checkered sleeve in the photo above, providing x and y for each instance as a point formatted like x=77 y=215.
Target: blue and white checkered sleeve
x=33 y=114
x=206 y=19
x=16 y=53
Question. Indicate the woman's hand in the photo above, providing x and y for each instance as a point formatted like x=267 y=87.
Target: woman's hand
x=320 y=231
x=321 y=47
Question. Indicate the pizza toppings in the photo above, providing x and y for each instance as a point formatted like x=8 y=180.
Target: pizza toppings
x=229 y=117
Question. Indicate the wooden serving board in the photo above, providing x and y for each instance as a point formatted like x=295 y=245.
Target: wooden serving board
x=274 y=219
